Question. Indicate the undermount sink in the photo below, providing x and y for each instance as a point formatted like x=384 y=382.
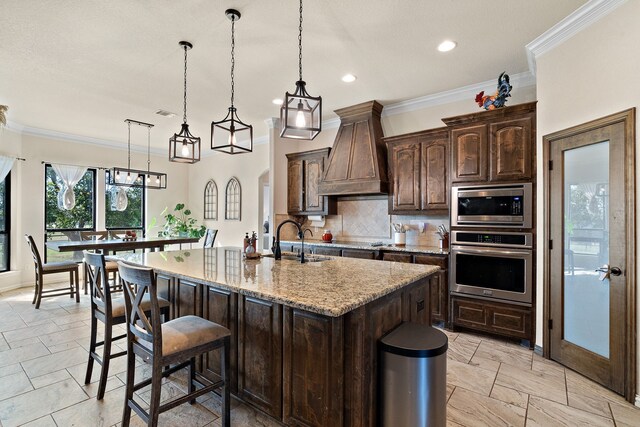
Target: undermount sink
x=307 y=258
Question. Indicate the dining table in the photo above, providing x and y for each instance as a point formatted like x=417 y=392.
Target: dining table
x=116 y=245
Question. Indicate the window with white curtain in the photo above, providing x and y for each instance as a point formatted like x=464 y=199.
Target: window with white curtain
x=233 y=200
x=5 y=211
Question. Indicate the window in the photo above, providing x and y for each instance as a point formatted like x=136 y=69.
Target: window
x=211 y=200
x=5 y=212
x=233 y=200
x=132 y=217
x=62 y=224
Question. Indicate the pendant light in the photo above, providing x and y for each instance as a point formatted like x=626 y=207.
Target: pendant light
x=127 y=177
x=301 y=113
x=183 y=146
x=225 y=134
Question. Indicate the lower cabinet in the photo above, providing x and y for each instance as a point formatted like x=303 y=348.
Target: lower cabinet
x=359 y=253
x=397 y=257
x=439 y=284
x=186 y=298
x=313 y=369
x=319 y=250
x=260 y=354
x=221 y=306
x=503 y=319
x=164 y=284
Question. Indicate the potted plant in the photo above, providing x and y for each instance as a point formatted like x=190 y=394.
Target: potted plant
x=180 y=223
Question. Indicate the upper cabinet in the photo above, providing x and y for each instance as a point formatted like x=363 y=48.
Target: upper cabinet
x=493 y=145
x=304 y=172
x=418 y=172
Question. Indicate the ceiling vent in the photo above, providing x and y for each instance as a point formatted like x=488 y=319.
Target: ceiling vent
x=165 y=113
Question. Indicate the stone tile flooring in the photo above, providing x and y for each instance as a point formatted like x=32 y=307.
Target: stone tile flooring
x=43 y=356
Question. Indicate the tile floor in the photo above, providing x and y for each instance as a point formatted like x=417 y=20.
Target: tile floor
x=43 y=356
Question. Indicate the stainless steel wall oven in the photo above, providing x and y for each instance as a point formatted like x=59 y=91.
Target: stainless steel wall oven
x=494 y=265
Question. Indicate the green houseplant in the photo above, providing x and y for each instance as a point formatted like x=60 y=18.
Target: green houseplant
x=180 y=223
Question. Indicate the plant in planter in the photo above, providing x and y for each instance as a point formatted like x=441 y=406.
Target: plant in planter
x=180 y=223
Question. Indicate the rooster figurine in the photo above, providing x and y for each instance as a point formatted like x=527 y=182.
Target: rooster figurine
x=499 y=98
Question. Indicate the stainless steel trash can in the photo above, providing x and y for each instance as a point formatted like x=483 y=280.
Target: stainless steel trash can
x=412 y=377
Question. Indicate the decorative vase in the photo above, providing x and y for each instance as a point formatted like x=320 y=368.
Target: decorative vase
x=399 y=239
x=327 y=237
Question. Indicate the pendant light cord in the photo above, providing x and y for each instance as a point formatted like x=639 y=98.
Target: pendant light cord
x=129 y=147
x=300 y=42
x=184 y=116
x=233 y=57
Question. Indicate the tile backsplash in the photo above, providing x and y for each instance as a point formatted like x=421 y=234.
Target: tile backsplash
x=367 y=220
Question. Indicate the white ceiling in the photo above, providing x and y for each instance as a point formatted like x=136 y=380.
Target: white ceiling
x=82 y=67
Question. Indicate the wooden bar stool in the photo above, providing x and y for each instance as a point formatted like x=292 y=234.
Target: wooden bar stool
x=52 y=268
x=112 y=266
x=176 y=342
x=110 y=311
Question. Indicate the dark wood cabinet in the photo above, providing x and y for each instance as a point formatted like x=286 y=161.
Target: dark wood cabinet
x=418 y=171
x=221 y=306
x=186 y=298
x=492 y=146
x=494 y=317
x=260 y=354
x=397 y=257
x=164 y=285
x=469 y=154
x=359 y=253
x=313 y=369
x=439 y=287
x=304 y=172
x=511 y=149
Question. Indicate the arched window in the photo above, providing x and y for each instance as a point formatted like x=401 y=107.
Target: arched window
x=211 y=200
x=233 y=200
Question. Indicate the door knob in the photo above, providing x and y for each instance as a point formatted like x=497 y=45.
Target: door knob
x=606 y=271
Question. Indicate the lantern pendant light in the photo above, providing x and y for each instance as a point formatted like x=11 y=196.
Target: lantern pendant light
x=183 y=146
x=301 y=113
x=225 y=134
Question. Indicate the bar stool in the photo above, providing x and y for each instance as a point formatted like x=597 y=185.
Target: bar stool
x=110 y=311
x=112 y=266
x=177 y=342
x=52 y=268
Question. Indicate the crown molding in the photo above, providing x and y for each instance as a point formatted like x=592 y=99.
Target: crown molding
x=78 y=139
x=581 y=18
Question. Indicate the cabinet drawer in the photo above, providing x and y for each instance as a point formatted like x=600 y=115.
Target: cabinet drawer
x=440 y=261
x=397 y=257
x=358 y=253
x=319 y=250
x=503 y=319
x=296 y=249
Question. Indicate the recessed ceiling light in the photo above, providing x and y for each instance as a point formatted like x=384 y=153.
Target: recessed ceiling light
x=165 y=113
x=277 y=101
x=447 y=45
x=349 y=78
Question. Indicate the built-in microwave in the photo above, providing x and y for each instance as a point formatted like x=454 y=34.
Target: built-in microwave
x=500 y=205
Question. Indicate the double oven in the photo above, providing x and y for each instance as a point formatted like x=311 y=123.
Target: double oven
x=492 y=242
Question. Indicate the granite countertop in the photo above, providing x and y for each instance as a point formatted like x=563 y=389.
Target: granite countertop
x=433 y=250
x=332 y=287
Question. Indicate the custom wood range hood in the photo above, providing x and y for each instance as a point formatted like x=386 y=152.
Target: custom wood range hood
x=357 y=164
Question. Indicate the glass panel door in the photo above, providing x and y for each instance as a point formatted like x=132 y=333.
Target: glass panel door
x=586 y=247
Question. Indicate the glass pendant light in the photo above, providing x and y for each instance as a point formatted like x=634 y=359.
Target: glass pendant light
x=225 y=134
x=183 y=146
x=301 y=113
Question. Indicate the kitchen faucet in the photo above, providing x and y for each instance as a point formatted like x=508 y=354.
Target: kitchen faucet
x=277 y=254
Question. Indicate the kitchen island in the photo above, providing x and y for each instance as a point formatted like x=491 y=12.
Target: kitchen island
x=304 y=336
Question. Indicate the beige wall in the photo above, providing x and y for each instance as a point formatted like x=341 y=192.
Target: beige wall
x=28 y=189
x=220 y=167
x=591 y=75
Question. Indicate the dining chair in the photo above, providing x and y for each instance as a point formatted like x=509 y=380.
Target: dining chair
x=43 y=269
x=177 y=342
x=110 y=311
x=111 y=266
x=210 y=238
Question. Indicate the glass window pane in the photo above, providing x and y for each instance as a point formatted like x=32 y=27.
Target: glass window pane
x=586 y=247
x=81 y=216
x=4 y=224
x=132 y=217
x=3 y=213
